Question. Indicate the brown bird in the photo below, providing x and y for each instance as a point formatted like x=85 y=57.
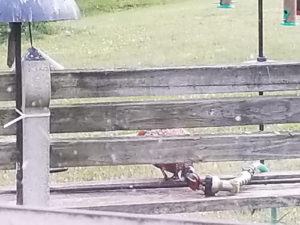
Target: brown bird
x=178 y=170
x=182 y=171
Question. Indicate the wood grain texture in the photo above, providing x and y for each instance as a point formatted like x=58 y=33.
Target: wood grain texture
x=175 y=200
x=168 y=114
x=167 y=81
x=8 y=153
x=178 y=201
x=151 y=150
x=94 y=186
x=277 y=175
x=7 y=87
x=26 y=216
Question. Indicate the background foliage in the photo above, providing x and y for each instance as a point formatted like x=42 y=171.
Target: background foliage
x=38 y=29
x=93 y=6
x=87 y=7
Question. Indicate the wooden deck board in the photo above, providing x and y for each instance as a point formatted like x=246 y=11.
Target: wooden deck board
x=26 y=216
x=174 y=200
x=75 y=187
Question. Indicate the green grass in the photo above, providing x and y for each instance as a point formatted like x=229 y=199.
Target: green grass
x=189 y=32
x=95 y=6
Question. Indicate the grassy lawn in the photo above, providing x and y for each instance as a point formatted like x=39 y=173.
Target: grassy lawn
x=172 y=33
x=187 y=32
x=89 y=7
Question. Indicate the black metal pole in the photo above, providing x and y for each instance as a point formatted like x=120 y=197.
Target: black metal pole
x=261 y=57
x=18 y=53
x=261 y=127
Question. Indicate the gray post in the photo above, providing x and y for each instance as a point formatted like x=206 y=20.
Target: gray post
x=36 y=93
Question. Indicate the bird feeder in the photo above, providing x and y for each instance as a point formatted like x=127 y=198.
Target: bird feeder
x=227 y=4
x=36 y=72
x=289 y=12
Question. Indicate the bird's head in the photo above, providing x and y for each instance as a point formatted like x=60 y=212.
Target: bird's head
x=189 y=175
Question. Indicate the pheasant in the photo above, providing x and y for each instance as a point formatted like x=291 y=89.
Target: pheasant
x=183 y=171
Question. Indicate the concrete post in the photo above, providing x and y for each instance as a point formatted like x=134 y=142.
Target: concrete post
x=36 y=93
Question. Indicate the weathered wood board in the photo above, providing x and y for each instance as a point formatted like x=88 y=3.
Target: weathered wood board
x=167 y=114
x=174 y=200
x=150 y=150
x=87 y=186
x=167 y=81
x=28 y=216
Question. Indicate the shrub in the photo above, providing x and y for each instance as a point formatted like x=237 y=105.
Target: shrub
x=3 y=32
x=38 y=29
x=93 y=6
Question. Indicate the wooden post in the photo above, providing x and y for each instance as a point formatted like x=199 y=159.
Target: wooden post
x=19 y=130
x=36 y=92
x=290 y=9
x=298 y=7
x=225 y=4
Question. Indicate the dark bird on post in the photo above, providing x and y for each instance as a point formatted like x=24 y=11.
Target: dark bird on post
x=11 y=45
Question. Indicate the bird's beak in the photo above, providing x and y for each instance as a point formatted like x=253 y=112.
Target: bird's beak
x=193 y=181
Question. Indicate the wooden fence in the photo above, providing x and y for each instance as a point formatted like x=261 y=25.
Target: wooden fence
x=218 y=111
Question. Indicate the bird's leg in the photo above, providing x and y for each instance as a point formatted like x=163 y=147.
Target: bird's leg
x=164 y=173
x=174 y=177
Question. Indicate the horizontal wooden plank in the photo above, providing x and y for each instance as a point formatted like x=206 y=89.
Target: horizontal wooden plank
x=176 y=200
x=8 y=154
x=92 y=186
x=150 y=150
x=277 y=175
x=167 y=114
x=7 y=87
x=27 y=216
x=167 y=81
x=275 y=181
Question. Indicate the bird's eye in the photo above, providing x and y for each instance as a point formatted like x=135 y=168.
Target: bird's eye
x=191 y=169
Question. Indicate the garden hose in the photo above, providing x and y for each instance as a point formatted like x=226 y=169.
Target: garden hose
x=213 y=184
